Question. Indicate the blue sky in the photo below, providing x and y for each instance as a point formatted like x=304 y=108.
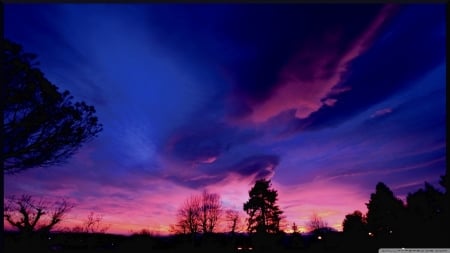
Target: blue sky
x=325 y=100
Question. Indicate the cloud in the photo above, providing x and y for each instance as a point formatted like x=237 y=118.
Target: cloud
x=310 y=76
x=198 y=143
x=330 y=101
x=256 y=167
x=197 y=147
x=248 y=169
x=246 y=172
x=381 y=112
x=166 y=136
x=381 y=169
x=399 y=56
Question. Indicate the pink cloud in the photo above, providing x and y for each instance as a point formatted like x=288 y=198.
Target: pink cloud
x=314 y=72
x=381 y=112
x=330 y=101
x=210 y=159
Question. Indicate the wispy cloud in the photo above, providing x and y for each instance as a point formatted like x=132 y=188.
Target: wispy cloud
x=325 y=100
x=381 y=112
x=314 y=71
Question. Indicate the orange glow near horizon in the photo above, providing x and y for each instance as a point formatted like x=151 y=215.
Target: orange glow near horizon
x=156 y=214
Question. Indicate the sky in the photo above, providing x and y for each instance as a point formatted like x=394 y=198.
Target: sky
x=325 y=100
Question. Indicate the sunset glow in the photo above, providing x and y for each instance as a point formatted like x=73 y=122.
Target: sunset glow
x=324 y=100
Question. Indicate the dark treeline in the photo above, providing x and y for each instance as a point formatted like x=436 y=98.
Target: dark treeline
x=421 y=222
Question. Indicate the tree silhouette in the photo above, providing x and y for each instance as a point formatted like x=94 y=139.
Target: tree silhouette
x=316 y=222
x=189 y=215
x=385 y=212
x=179 y=228
x=444 y=182
x=264 y=214
x=42 y=126
x=199 y=213
x=29 y=215
x=233 y=217
x=318 y=227
x=210 y=211
x=92 y=224
x=355 y=224
x=427 y=214
x=294 y=228
x=426 y=203
x=297 y=240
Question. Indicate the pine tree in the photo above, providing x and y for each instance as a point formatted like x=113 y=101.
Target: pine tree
x=264 y=214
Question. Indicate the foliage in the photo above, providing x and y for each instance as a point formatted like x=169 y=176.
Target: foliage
x=42 y=126
x=264 y=214
x=427 y=211
x=422 y=222
x=445 y=183
x=385 y=211
x=29 y=215
x=355 y=223
x=426 y=203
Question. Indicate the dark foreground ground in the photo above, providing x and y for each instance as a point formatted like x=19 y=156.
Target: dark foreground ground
x=217 y=243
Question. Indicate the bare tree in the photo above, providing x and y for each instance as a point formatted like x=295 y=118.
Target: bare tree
x=211 y=210
x=179 y=228
x=233 y=217
x=199 y=213
x=294 y=228
x=189 y=214
x=29 y=215
x=316 y=222
x=93 y=224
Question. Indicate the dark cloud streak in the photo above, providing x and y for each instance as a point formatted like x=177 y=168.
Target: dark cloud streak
x=283 y=33
x=387 y=68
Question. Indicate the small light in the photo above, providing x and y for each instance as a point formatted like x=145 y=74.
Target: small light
x=370 y=234
x=239 y=248
x=250 y=248
x=319 y=237
x=49 y=238
x=390 y=231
